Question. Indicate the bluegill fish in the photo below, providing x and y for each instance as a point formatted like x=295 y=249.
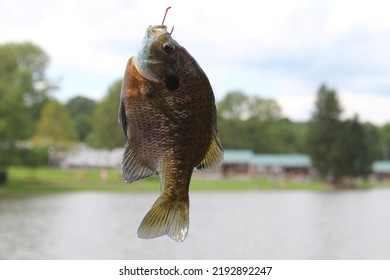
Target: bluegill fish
x=168 y=114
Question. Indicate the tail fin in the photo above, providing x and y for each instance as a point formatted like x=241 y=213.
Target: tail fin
x=166 y=218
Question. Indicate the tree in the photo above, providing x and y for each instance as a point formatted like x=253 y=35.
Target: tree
x=107 y=132
x=54 y=128
x=288 y=136
x=251 y=122
x=233 y=106
x=14 y=118
x=239 y=106
x=23 y=90
x=32 y=63
x=384 y=132
x=80 y=105
x=323 y=135
x=15 y=123
x=81 y=111
x=355 y=155
x=20 y=93
x=83 y=126
x=339 y=149
x=374 y=139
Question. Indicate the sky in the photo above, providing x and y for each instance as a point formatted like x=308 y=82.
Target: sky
x=280 y=49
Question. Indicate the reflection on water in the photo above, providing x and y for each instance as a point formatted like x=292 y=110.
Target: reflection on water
x=230 y=225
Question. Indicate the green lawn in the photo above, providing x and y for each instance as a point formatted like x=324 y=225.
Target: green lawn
x=22 y=179
x=55 y=179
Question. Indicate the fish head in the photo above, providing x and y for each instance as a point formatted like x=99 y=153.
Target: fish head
x=157 y=57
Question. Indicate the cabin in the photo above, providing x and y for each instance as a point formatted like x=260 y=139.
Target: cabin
x=83 y=156
x=246 y=164
x=381 y=170
x=287 y=165
x=237 y=163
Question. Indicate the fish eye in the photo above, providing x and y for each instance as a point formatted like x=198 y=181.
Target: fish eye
x=168 y=48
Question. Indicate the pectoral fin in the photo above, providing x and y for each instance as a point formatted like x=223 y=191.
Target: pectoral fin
x=122 y=117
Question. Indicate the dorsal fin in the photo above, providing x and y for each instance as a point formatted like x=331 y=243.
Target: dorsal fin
x=214 y=155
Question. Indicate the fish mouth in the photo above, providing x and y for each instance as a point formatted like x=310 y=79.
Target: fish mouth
x=154 y=31
x=147 y=60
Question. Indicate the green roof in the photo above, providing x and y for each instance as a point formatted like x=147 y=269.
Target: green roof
x=248 y=157
x=382 y=166
x=238 y=156
x=286 y=160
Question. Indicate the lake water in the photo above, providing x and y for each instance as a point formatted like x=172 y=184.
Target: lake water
x=226 y=225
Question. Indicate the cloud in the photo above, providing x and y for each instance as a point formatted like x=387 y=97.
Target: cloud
x=278 y=49
x=370 y=107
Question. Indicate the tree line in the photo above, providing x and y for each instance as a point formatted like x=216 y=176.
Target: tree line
x=32 y=120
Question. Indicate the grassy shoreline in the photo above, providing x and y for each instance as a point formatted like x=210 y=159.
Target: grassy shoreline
x=46 y=179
